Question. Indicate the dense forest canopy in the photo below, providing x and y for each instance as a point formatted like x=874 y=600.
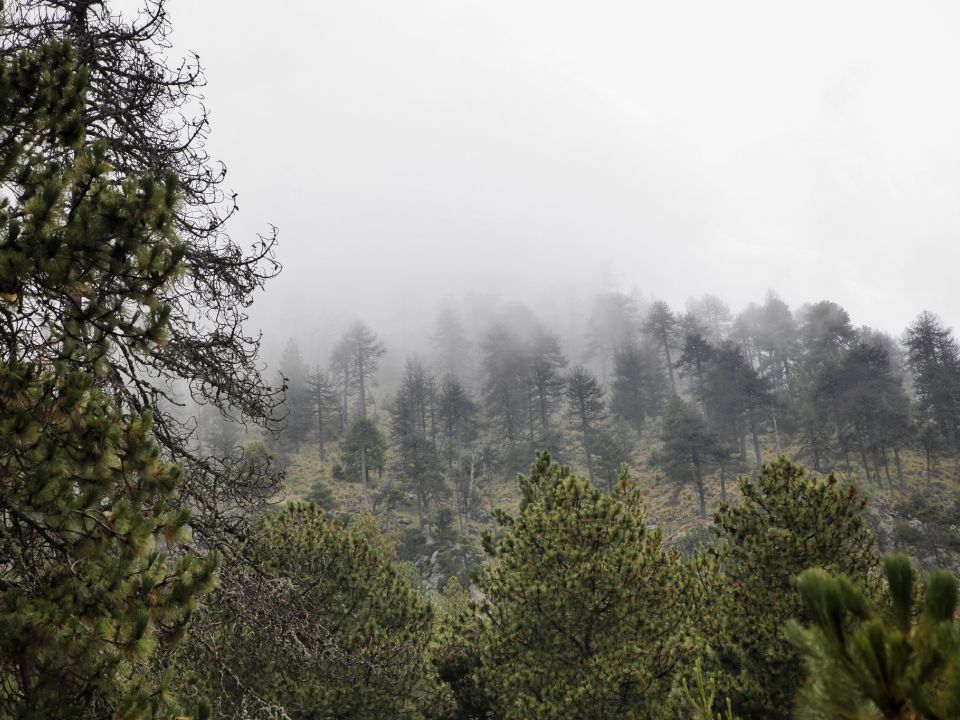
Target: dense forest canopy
x=607 y=507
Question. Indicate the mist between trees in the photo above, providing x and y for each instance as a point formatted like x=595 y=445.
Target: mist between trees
x=508 y=523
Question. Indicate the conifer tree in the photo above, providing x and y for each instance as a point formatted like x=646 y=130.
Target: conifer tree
x=417 y=460
x=784 y=524
x=688 y=447
x=364 y=448
x=546 y=362
x=661 y=325
x=457 y=418
x=900 y=662
x=334 y=628
x=638 y=390
x=143 y=113
x=89 y=593
x=297 y=396
x=586 y=409
x=325 y=401
x=580 y=616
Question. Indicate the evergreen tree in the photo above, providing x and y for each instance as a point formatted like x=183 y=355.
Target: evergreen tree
x=688 y=447
x=334 y=629
x=580 y=615
x=638 y=387
x=88 y=595
x=417 y=460
x=144 y=116
x=899 y=663
x=586 y=409
x=504 y=367
x=784 y=524
x=364 y=448
x=341 y=367
x=662 y=326
x=612 y=456
x=777 y=340
x=614 y=324
x=457 y=418
x=934 y=359
x=365 y=351
x=325 y=400
x=714 y=314
x=297 y=396
x=695 y=357
x=546 y=362
x=451 y=347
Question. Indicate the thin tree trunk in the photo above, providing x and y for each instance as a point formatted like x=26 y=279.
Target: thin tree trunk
x=701 y=493
x=756 y=440
x=899 y=465
x=666 y=350
x=776 y=431
x=363 y=474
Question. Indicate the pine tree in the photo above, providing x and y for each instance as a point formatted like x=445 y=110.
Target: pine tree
x=586 y=409
x=143 y=116
x=545 y=365
x=89 y=593
x=417 y=461
x=457 y=419
x=900 y=663
x=365 y=351
x=661 y=325
x=325 y=401
x=333 y=629
x=784 y=524
x=688 y=447
x=363 y=449
x=638 y=390
x=580 y=616
x=297 y=396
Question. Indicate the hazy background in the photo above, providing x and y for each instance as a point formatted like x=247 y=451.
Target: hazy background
x=545 y=150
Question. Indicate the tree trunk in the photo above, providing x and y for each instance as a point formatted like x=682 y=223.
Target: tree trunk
x=899 y=465
x=320 y=427
x=363 y=388
x=776 y=430
x=666 y=351
x=866 y=465
x=363 y=474
x=698 y=482
x=756 y=440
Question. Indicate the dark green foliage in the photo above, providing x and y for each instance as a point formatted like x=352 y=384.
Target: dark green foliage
x=87 y=593
x=613 y=455
x=335 y=630
x=364 y=448
x=784 y=524
x=899 y=662
x=662 y=326
x=298 y=398
x=413 y=432
x=586 y=409
x=581 y=615
x=689 y=447
x=639 y=387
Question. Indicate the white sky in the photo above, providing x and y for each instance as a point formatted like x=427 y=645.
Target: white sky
x=414 y=150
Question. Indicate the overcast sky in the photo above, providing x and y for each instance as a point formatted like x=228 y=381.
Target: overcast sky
x=413 y=150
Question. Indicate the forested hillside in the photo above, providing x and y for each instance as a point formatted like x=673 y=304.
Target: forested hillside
x=520 y=524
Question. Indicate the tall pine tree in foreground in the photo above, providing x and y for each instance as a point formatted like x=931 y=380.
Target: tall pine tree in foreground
x=785 y=523
x=88 y=590
x=580 y=615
